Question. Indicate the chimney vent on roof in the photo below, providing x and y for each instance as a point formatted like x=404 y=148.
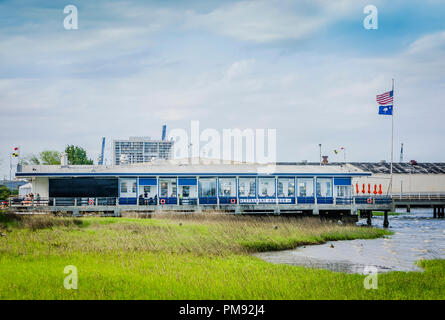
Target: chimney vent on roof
x=325 y=160
x=63 y=159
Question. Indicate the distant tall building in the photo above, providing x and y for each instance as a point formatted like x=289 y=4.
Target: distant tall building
x=141 y=149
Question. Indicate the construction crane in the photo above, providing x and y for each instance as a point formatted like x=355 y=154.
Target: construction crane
x=401 y=153
x=101 y=158
x=164 y=131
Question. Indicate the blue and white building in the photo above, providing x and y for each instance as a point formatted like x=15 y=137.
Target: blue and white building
x=176 y=185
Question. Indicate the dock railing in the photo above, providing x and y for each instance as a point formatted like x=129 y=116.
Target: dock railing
x=419 y=196
x=61 y=201
x=112 y=201
x=373 y=199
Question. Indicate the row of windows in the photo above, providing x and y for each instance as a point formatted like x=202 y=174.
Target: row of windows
x=247 y=187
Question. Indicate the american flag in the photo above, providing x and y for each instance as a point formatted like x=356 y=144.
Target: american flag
x=385 y=98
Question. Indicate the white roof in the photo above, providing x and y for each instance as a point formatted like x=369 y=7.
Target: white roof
x=204 y=166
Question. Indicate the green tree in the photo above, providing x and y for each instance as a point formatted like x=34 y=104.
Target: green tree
x=49 y=157
x=30 y=159
x=77 y=155
x=44 y=157
x=4 y=192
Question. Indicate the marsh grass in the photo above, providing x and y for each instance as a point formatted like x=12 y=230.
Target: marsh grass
x=206 y=234
x=380 y=213
x=190 y=256
x=37 y=222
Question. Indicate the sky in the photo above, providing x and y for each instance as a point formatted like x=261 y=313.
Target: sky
x=308 y=69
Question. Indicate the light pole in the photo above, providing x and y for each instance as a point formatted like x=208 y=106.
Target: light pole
x=319 y=145
x=190 y=152
x=10 y=172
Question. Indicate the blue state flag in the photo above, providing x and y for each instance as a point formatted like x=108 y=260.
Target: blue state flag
x=385 y=110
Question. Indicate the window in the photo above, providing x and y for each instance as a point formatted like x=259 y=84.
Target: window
x=123 y=187
x=266 y=187
x=167 y=187
x=148 y=191
x=247 y=187
x=227 y=187
x=207 y=187
x=186 y=191
x=128 y=187
x=286 y=187
x=83 y=187
x=324 y=187
x=305 y=187
x=343 y=191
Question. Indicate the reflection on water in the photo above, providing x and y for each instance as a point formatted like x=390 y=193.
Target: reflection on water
x=416 y=236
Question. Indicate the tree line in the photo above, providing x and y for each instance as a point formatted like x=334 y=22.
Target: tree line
x=75 y=155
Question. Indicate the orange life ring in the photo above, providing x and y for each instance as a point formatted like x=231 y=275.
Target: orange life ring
x=369 y=200
x=162 y=201
x=232 y=201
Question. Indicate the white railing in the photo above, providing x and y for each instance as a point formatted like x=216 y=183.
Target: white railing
x=419 y=196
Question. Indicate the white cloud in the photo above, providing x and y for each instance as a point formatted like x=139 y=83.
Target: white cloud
x=239 y=68
x=272 y=20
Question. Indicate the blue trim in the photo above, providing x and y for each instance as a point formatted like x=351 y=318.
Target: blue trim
x=169 y=200
x=131 y=201
x=342 y=181
x=137 y=189
x=237 y=187
x=308 y=200
x=207 y=200
x=226 y=200
x=147 y=181
x=217 y=187
x=135 y=175
x=187 y=181
x=157 y=182
x=325 y=200
x=292 y=200
x=188 y=201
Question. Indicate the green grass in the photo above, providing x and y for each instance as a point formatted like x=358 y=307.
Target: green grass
x=380 y=213
x=187 y=257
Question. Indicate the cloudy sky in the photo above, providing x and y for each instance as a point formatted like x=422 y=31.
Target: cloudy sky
x=308 y=69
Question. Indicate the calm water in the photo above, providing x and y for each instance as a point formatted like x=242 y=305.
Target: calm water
x=416 y=236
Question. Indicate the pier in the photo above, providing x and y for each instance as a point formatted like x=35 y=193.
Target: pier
x=334 y=191
x=421 y=200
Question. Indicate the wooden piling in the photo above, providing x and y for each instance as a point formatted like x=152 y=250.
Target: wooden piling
x=385 y=220
x=434 y=213
x=368 y=221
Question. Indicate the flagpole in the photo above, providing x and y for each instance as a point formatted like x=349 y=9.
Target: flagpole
x=10 y=172
x=392 y=134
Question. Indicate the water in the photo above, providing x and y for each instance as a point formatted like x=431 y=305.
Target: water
x=416 y=236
